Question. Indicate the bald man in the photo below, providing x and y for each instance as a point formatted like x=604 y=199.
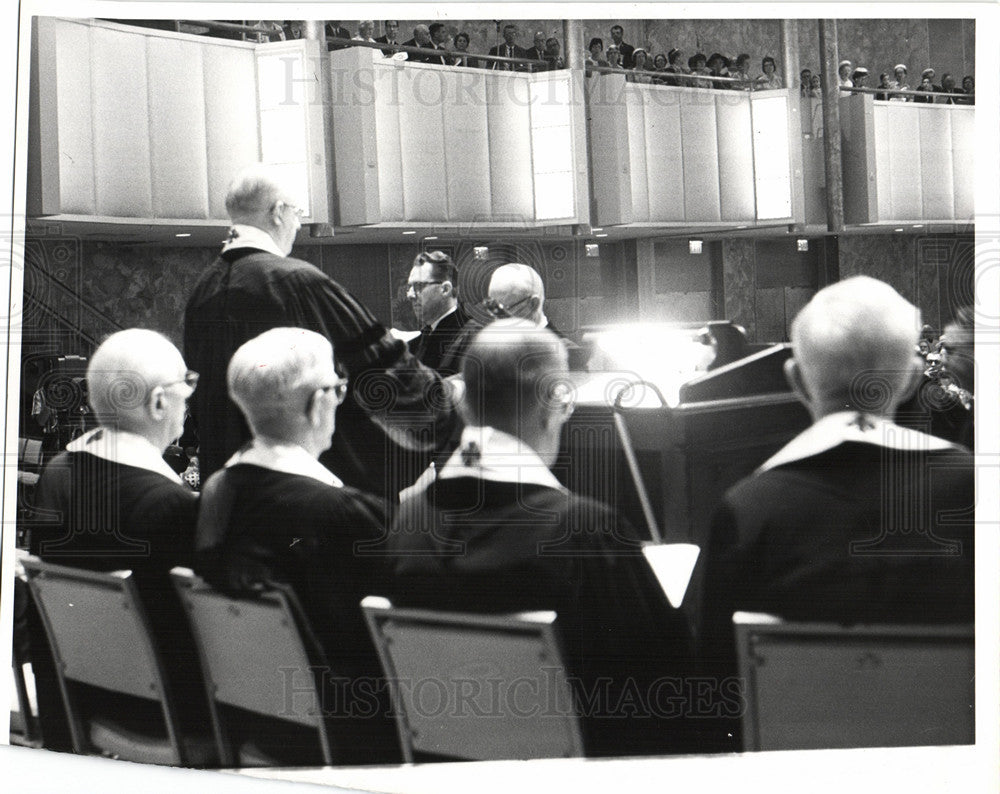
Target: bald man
x=115 y=504
x=856 y=520
x=515 y=290
x=254 y=286
x=496 y=532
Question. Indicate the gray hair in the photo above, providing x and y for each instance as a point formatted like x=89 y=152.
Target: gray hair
x=856 y=335
x=255 y=189
x=269 y=374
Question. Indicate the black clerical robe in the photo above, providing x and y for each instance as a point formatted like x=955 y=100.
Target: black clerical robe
x=247 y=291
x=476 y=545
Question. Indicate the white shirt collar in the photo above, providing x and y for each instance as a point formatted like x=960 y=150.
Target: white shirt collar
x=490 y=454
x=128 y=449
x=844 y=426
x=452 y=310
x=243 y=236
x=286 y=458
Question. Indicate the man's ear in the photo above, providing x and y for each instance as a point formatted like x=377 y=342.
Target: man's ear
x=447 y=288
x=793 y=374
x=316 y=406
x=156 y=403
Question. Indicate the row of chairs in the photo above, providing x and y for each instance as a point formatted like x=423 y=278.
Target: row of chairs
x=806 y=686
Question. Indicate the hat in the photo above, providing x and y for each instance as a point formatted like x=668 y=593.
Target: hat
x=845 y=63
x=861 y=70
x=926 y=72
x=898 y=67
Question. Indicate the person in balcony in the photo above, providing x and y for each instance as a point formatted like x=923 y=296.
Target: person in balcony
x=844 y=74
x=675 y=65
x=770 y=79
x=421 y=38
x=617 y=37
x=859 y=77
x=718 y=65
x=805 y=80
x=639 y=72
x=816 y=87
x=926 y=88
x=441 y=40
x=391 y=35
x=947 y=87
x=461 y=52
x=659 y=67
x=741 y=71
x=595 y=54
x=552 y=57
x=334 y=30
x=697 y=64
x=614 y=58
x=900 y=83
x=536 y=51
x=968 y=91
x=884 y=82
x=509 y=49
x=366 y=29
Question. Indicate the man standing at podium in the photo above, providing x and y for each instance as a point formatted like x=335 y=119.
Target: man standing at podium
x=857 y=519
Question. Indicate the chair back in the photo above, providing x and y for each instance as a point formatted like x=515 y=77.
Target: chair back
x=100 y=635
x=813 y=685
x=479 y=687
x=257 y=654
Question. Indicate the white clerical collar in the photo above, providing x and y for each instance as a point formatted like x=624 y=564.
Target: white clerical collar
x=286 y=458
x=437 y=322
x=490 y=454
x=128 y=449
x=847 y=426
x=243 y=236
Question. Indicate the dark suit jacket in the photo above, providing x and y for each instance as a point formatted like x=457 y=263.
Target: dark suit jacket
x=385 y=40
x=246 y=292
x=437 y=349
x=626 y=50
x=428 y=58
x=338 y=33
x=477 y=545
x=501 y=50
x=856 y=534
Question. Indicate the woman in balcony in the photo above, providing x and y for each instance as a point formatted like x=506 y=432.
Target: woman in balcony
x=615 y=58
x=968 y=91
x=901 y=83
x=926 y=88
x=461 y=52
x=595 y=56
x=659 y=68
x=697 y=64
x=741 y=71
x=640 y=69
x=769 y=80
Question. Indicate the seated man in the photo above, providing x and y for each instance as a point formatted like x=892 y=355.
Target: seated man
x=856 y=520
x=516 y=290
x=274 y=513
x=115 y=504
x=496 y=532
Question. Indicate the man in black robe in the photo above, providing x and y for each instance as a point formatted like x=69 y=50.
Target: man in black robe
x=857 y=519
x=495 y=532
x=254 y=286
x=110 y=502
x=276 y=514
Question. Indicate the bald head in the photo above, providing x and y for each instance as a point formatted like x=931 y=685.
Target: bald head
x=519 y=289
x=259 y=197
x=135 y=382
x=512 y=374
x=854 y=347
x=273 y=378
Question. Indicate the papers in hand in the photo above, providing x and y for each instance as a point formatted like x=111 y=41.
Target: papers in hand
x=406 y=336
x=672 y=564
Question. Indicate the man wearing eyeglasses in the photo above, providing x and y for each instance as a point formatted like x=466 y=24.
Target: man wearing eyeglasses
x=432 y=290
x=254 y=286
x=113 y=503
x=276 y=514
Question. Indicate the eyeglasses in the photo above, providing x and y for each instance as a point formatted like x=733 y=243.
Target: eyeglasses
x=298 y=211
x=339 y=389
x=190 y=379
x=416 y=287
x=498 y=310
